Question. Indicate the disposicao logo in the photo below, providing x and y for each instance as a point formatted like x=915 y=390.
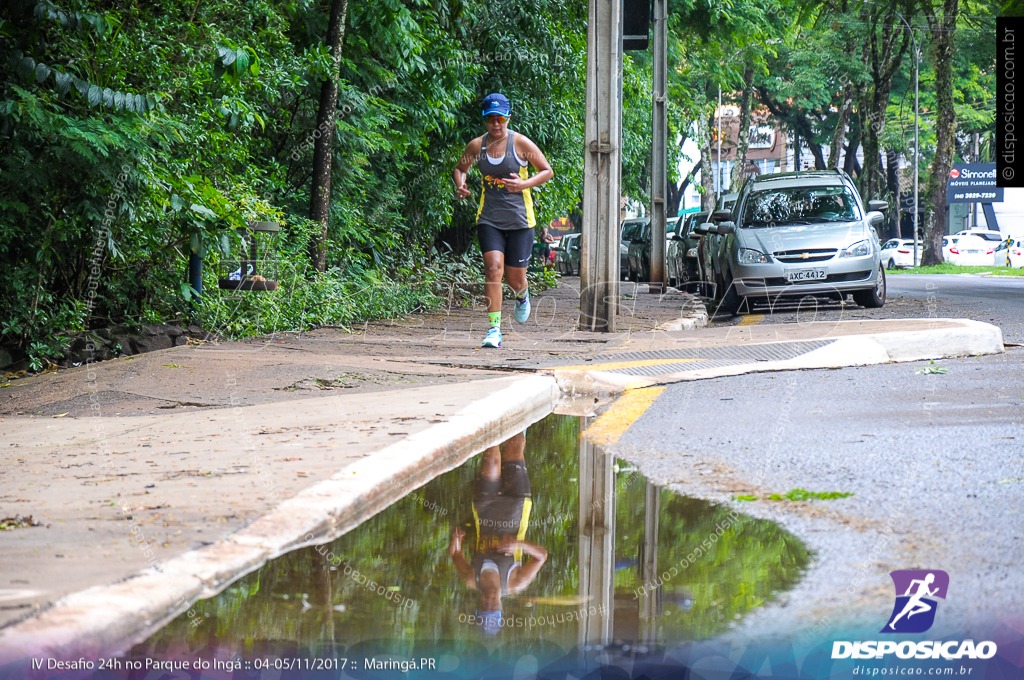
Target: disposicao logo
x=914 y=612
x=916 y=586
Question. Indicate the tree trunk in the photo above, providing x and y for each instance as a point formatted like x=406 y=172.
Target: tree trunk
x=796 y=151
x=839 y=138
x=819 y=159
x=743 y=134
x=892 y=172
x=323 y=150
x=850 y=165
x=884 y=56
x=943 y=29
x=675 y=192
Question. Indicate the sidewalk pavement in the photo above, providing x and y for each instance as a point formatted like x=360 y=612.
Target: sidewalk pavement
x=182 y=469
x=182 y=447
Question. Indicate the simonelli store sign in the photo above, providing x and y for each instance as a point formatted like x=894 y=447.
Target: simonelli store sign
x=973 y=183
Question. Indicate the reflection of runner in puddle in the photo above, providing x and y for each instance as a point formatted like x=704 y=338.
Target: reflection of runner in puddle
x=501 y=513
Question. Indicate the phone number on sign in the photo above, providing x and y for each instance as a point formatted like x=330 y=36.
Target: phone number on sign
x=979 y=196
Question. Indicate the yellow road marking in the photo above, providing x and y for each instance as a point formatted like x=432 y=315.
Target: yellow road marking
x=751 y=320
x=623 y=364
x=624 y=412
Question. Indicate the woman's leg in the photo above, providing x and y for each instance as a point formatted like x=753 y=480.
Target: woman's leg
x=515 y=277
x=494 y=266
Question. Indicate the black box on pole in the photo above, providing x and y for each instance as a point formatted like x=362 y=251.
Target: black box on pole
x=636 y=24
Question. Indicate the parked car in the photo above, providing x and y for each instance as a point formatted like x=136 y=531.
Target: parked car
x=639 y=251
x=1015 y=253
x=948 y=243
x=728 y=201
x=709 y=250
x=567 y=260
x=898 y=253
x=797 y=234
x=972 y=250
x=987 y=234
x=681 y=256
x=629 y=230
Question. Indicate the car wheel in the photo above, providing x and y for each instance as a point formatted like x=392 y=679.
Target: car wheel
x=891 y=265
x=731 y=299
x=875 y=297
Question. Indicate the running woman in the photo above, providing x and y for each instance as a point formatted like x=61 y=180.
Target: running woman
x=504 y=220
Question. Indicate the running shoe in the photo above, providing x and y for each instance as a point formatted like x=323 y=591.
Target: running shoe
x=493 y=338
x=522 y=308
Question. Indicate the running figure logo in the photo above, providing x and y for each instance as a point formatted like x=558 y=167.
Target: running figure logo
x=913 y=611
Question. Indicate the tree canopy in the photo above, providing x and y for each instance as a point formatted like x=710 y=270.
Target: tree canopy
x=134 y=135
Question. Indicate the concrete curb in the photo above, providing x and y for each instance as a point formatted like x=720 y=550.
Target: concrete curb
x=971 y=338
x=106 y=620
x=693 y=323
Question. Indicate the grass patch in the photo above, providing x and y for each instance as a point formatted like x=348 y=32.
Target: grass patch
x=801 y=495
x=947 y=268
x=932 y=369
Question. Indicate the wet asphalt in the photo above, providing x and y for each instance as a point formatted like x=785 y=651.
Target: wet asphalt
x=933 y=454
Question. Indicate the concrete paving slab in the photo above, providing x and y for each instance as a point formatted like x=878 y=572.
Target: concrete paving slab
x=107 y=619
x=181 y=481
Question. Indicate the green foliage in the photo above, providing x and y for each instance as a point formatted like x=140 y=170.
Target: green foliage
x=799 y=495
x=131 y=136
x=932 y=369
x=134 y=134
x=805 y=495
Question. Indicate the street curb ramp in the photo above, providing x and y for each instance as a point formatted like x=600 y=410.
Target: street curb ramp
x=950 y=338
x=107 y=620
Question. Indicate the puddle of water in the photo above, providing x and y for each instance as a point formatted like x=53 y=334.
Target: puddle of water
x=489 y=569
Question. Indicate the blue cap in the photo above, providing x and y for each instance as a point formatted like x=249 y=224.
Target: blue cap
x=497 y=103
x=491 y=620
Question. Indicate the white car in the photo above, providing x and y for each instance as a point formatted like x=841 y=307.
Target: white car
x=948 y=242
x=1013 y=252
x=898 y=253
x=987 y=234
x=973 y=251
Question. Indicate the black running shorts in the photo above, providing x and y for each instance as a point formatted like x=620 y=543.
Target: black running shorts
x=498 y=503
x=517 y=244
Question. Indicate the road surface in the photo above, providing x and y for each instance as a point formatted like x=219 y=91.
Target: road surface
x=933 y=453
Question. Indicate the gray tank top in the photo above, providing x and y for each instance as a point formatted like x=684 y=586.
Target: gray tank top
x=500 y=208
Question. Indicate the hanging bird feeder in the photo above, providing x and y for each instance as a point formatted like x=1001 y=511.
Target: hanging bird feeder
x=257 y=267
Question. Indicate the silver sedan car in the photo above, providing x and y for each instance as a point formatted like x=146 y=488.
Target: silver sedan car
x=797 y=234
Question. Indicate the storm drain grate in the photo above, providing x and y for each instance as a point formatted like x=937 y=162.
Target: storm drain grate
x=666 y=361
x=777 y=351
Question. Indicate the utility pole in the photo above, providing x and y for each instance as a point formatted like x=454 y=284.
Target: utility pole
x=649 y=566
x=599 y=282
x=718 y=156
x=974 y=206
x=917 y=126
x=596 y=541
x=659 y=149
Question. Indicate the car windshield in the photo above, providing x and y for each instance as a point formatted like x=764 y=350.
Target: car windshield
x=631 y=230
x=989 y=237
x=694 y=220
x=799 y=205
